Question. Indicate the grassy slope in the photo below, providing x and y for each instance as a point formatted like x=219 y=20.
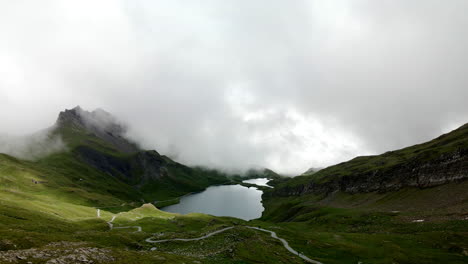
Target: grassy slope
x=337 y=235
x=378 y=227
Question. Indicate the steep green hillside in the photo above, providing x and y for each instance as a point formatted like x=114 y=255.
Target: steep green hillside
x=401 y=180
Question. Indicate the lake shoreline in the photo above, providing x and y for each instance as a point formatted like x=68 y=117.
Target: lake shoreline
x=169 y=202
x=234 y=199
x=176 y=200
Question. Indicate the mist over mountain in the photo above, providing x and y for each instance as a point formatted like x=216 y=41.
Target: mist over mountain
x=32 y=146
x=227 y=132
x=288 y=87
x=48 y=141
x=101 y=124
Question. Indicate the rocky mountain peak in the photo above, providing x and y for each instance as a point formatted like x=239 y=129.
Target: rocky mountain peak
x=98 y=123
x=70 y=117
x=98 y=119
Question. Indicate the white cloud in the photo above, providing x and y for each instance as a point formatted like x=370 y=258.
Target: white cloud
x=234 y=84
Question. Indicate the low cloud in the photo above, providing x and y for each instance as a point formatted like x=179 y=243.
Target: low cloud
x=101 y=120
x=32 y=147
x=285 y=85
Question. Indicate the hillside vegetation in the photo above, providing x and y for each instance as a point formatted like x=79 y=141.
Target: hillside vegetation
x=404 y=206
x=439 y=161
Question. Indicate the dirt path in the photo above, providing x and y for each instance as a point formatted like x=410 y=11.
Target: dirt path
x=111 y=225
x=286 y=245
x=273 y=235
x=149 y=240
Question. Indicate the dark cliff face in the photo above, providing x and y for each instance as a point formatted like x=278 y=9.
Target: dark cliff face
x=99 y=141
x=136 y=169
x=149 y=167
x=445 y=169
x=440 y=161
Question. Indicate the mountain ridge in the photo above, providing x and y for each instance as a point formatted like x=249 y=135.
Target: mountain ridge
x=98 y=158
x=439 y=161
x=98 y=123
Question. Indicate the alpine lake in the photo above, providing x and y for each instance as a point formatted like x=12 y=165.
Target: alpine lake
x=224 y=200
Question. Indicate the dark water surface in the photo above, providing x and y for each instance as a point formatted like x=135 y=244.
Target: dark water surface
x=226 y=200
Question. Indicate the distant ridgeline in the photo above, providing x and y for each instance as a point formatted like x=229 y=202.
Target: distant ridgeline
x=440 y=161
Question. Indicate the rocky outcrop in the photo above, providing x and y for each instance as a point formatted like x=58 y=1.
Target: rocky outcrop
x=58 y=253
x=100 y=124
x=150 y=165
x=449 y=167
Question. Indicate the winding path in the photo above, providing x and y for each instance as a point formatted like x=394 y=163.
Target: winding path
x=149 y=240
x=273 y=235
x=111 y=225
x=286 y=245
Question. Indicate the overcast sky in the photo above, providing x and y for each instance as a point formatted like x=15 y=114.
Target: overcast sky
x=281 y=84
